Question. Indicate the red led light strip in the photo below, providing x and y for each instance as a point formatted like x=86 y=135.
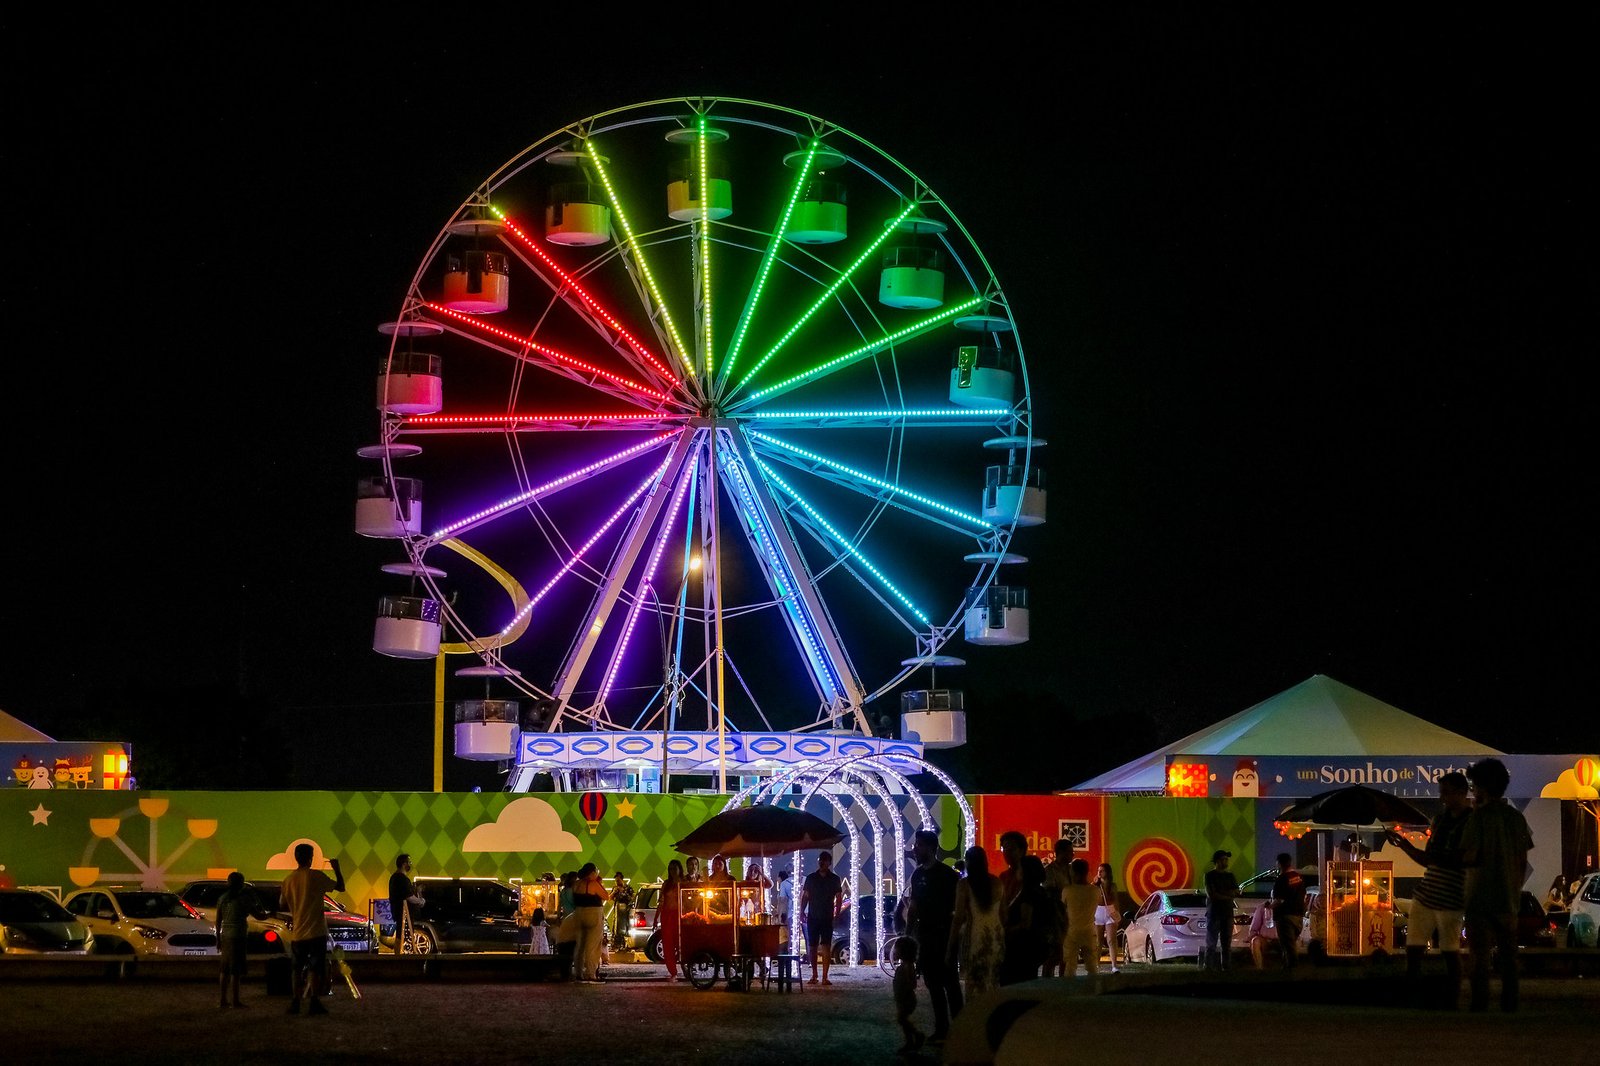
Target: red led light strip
x=571 y=283
x=551 y=353
x=487 y=420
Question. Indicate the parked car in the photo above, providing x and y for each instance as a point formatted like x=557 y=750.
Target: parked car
x=1171 y=924
x=1583 y=914
x=265 y=936
x=141 y=921
x=31 y=923
x=642 y=933
x=461 y=914
x=270 y=935
x=869 y=942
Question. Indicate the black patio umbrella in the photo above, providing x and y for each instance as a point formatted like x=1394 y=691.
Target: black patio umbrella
x=1354 y=807
x=759 y=831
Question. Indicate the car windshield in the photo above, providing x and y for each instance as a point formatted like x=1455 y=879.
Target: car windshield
x=647 y=899
x=1186 y=900
x=268 y=892
x=22 y=907
x=205 y=894
x=152 y=905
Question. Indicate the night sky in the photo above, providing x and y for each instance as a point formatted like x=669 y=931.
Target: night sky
x=1300 y=304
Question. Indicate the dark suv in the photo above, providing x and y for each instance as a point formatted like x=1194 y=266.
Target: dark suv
x=464 y=914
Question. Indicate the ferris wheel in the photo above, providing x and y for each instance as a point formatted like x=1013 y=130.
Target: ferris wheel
x=701 y=414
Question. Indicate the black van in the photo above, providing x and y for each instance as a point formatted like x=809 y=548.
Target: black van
x=464 y=914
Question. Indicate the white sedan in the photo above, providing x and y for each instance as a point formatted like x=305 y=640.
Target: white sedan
x=1171 y=924
x=141 y=921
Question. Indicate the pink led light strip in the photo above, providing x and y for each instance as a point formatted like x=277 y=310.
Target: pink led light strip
x=571 y=283
x=550 y=353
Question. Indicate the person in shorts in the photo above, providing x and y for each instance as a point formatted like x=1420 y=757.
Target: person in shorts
x=1439 y=907
x=820 y=900
x=302 y=896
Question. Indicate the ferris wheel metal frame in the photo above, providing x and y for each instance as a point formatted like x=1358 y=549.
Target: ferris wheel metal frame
x=707 y=398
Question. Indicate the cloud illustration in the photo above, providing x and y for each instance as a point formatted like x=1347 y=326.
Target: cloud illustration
x=284 y=860
x=526 y=824
x=1566 y=787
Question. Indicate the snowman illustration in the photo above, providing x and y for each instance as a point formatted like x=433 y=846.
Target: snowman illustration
x=41 y=777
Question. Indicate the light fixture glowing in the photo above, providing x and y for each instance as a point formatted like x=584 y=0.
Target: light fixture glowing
x=876 y=482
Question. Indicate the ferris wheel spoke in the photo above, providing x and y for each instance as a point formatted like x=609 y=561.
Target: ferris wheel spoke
x=839 y=546
x=844 y=417
x=490 y=336
x=622 y=563
x=789 y=578
x=876 y=488
x=820 y=371
x=538 y=492
x=634 y=250
x=533 y=255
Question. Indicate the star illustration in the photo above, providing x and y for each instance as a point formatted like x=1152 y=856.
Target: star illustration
x=40 y=815
x=625 y=808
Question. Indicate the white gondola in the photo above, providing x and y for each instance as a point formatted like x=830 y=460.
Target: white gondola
x=913 y=274
x=983 y=375
x=686 y=199
x=385 y=509
x=410 y=384
x=477 y=282
x=997 y=615
x=487 y=729
x=937 y=718
x=408 y=627
x=1014 y=490
x=577 y=215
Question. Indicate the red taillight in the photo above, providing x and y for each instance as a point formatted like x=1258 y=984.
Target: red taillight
x=270 y=936
x=638 y=921
x=190 y=908
x=1174 y=919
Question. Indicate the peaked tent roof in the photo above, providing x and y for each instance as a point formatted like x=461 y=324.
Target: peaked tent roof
x=1319 y=716
x=16 y=731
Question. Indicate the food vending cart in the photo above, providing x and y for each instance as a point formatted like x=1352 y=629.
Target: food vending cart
x=531 y=896
x=724 y=932
x=1358 y=908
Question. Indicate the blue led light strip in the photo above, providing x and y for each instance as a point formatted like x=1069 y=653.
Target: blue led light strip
x=868 y=479
x=785 y=584
x=844 y=543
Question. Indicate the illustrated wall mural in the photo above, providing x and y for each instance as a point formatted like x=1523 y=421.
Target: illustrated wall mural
x=62 y=840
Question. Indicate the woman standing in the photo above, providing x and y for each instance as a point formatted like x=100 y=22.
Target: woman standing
x=667 y=917
x=1106 y=919
x=977 y=918
x=588 y=896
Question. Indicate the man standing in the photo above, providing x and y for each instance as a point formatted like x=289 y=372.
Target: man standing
x=1438 y=908
x=1494 y=848
x=1057 y=876
x=302 y=896
x=1222 y=888
x=929 y=915
x=402 y=895
x=1288 y=905
x=783 y=899
x=820 y=899
x=622 y=902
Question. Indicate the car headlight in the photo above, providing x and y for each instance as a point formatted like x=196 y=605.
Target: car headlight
x=150 y=932
x=13 y=937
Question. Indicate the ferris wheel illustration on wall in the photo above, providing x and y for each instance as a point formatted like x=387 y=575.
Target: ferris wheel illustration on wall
x=700 y=415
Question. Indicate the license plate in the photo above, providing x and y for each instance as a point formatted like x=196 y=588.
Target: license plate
x=194 y=951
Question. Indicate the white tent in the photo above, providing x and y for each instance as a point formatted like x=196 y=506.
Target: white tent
x=16 y=731
x=1318 y=716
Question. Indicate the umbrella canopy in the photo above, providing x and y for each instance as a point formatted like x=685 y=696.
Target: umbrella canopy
x=759 y=831
x=1353 y=807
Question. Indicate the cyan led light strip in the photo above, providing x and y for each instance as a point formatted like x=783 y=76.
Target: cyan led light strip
x=844 y=543
x=870 y=480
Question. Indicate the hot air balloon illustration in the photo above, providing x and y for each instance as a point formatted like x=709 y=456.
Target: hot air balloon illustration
x=592 y=805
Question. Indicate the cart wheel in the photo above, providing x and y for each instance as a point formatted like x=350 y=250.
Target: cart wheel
x=652 y=948
x=702 y=969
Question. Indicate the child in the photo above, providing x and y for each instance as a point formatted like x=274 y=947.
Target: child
x=237 y=904
x=905 y=994
x=539 y=934
x=1082 y=937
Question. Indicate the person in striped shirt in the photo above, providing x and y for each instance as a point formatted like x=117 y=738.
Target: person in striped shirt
x=1439 y=906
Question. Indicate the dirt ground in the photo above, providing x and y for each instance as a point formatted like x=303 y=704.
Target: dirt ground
x=468 y=1016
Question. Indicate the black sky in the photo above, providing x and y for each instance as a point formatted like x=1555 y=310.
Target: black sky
x=1301 y=305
